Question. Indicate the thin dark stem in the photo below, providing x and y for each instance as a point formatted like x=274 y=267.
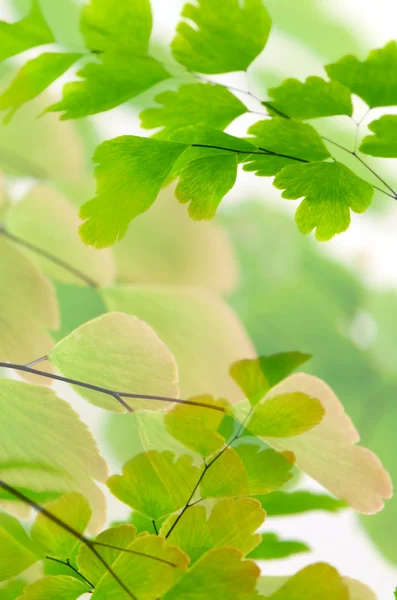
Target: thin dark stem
x=375 y=174
x=54 y=259
x=67 y=563
x=156 y=531
x=37 y=361
x=117 y=395
x=263 y=152
x=129 y=551
x=69 y=529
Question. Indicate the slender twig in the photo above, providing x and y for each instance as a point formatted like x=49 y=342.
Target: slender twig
x=367 y=166
x=115 y=394
x=67 y=563
x=263 y=151
x=54 y=259
x=129 y=551
x=37 y=361
x=156 y=531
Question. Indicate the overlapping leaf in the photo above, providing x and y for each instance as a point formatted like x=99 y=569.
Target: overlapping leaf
x=17 y=553
x=59 y=587
x=272 y=547
x=300 y=501
x=384 y=142
x=316 y=581
x=27 y=33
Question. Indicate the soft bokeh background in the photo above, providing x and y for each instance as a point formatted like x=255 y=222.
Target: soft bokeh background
x=336 y=300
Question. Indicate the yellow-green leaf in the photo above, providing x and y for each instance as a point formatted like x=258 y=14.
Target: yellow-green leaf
x=59 y=587
x=29 y=32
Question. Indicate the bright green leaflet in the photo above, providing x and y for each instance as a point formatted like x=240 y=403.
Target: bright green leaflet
x=330 y=189
x=199 y=103
x=155 y=483
x=111 y=24
x=232 y=523
x=204 y=182
x=292 y=503
x=130 y=173
x=118 y=78
x=384 y=142
x=86 y=355
x=31 y=31
x=374 y=80
x=286 y=415
x=312 y=99
x=226 y=36
x=316 y=581
x=16 y=550
x=33 y=78
x=271 y=547
x=59 y=587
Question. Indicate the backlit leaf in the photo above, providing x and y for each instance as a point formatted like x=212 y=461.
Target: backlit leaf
x=312 y=99
x=221 y=36
x=154 y=483
x=130 y=173
x=232 y=523
x=198 y=103
x=311 y=583
x=27 y=33
x=374 y=80
x=384 y=142
x=59 y=587
x=330 y=191
x=33 y=78
x=118 y=352
x=16 y=550
x=272 y=547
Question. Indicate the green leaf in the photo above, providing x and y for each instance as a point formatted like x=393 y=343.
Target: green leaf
x=384 y=142
x=130 y=173
x=218 y=574
x=40 y=483
x=293 y=503
x=16 y=550
x=74 y=510
x=330 y=189
x=199 y=328
x=256 y=376
x=114 y=25
x=58 y=439
x=204 y=182
x=286 y=415
x=199 y=103
x=374 y=80
x=46 y=219
x=28 y=305
x=88 y=355
x=33 y=78
x=31 y=31
x=12 y=589
x=272 y=547
x=315 y=581
x=312 y=99
x=59 y=587
x=107 y=84
x=232 y=523
x=196 y=427
x=223 y=37
x=154 y=483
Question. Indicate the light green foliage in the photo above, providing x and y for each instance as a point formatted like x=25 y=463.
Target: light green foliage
x=330 y=191
x=198 y=103
x=256 y=376
x=60 y=587
x=204 y=182
x=316 y=581
x=155 y=483
x=223 y=37
x=374 y=80
x=292 y=503
x=285 y=415
x=16 y=550
x=58 y=440
x=384 y=142
x=72 y=509
x=130 y=173
x=86 y=355
x=271 y=547
x=231 y=523
x=196 y=427
x=107 y=84
x=312 y=99
x=33 y=78
x=27 y=33
x=13 y=589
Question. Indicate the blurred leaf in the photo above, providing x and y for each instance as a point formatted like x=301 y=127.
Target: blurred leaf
x=374 y=80
x=118 y=352
x=330 y=191
x=232 y=523
x=296 y=502
x=13 y=589
x=271 y=547
x=27 y=33
x=16 y=550
x=311 y=583
x=221 y=37
x=77 y=305
x=60 y=587
x=384 y=142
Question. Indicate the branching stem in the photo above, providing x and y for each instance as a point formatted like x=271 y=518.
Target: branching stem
x=67 y=563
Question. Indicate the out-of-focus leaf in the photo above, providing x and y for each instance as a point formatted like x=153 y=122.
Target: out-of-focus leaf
x=271 y=547
x=292 y=503
x=374 y=80
x=384 y=142
x=13 y=589
x=311 y=583
x=221 y=37
x=232 y=523
x=17 y=553
x=77 y=305
x=59 y=587
x=46 y=219
x=27 y=33
x=118 y=352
